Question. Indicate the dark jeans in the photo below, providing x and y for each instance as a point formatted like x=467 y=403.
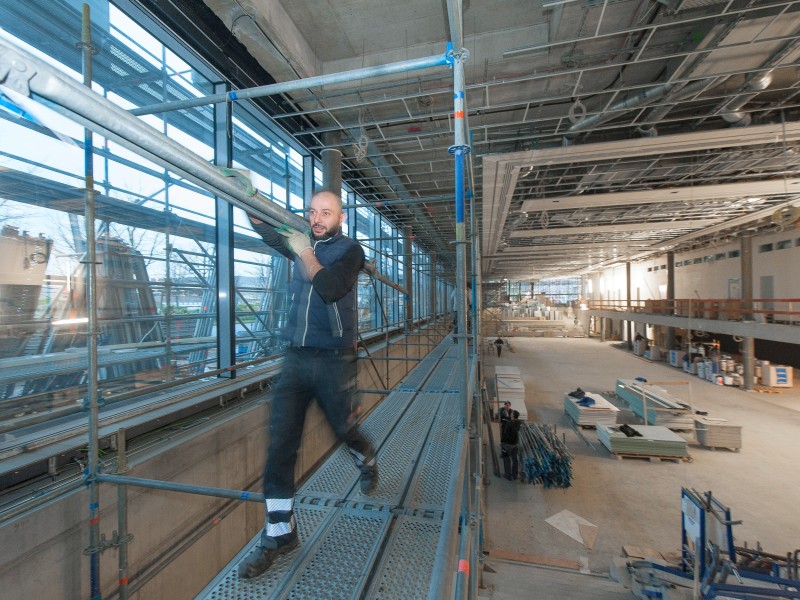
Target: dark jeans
x=510 y=454
x=328 y=376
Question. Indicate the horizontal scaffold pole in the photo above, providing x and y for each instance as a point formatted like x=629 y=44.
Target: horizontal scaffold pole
x=185 y=488
x=297 y=84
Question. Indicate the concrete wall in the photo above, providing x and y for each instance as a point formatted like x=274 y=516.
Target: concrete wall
x=181 y=541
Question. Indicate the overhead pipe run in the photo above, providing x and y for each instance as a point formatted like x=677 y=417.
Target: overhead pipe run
x=643 y=98
x=672 y=98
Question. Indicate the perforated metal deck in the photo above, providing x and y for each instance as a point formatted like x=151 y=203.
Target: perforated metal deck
x=383 y=545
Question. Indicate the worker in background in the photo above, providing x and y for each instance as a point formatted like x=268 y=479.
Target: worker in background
x=509 y=446
x=319 y=364
x=498 y=344
x=505 y=414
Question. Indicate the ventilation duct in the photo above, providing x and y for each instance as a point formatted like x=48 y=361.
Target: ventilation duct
x=641 y=99
x=733 y=114
x=674 y=96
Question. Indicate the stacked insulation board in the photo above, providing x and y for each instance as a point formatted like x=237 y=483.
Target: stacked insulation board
x=601 y=412
x=718 y=433
x=655 y=440
x=660 y=406
x=511 y=388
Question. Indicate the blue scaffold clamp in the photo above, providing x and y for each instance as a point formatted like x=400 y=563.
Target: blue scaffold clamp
x=448 y=55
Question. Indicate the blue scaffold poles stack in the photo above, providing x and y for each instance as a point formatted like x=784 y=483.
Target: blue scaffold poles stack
x=543 y=457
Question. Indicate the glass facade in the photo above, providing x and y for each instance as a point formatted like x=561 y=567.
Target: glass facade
x=158 y=264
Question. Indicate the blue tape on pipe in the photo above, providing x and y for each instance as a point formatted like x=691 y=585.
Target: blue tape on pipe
x=244 y=496
x=94 y=505
x=232 y=96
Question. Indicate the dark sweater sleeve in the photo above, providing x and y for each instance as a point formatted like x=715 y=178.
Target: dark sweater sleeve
x=332 y=283
x=272 y=238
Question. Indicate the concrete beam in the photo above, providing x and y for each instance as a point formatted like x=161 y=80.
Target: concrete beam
x=616 y=228
x=270 y=35
x=776 y=187
x=745 y=329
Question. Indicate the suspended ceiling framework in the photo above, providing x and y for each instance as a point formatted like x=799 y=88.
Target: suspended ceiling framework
x=601 y=130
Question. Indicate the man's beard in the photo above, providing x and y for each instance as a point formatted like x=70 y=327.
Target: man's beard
x=329 y=233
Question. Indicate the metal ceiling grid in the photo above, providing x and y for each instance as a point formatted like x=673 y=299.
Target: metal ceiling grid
x=544 y=74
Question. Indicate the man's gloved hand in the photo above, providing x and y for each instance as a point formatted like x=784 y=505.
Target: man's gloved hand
x=297 y=241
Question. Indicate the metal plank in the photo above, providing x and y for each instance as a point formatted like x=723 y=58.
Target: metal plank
x=337 y=477
x=338 y=565
x=406 y=567
x=431 y=484
x=227 y=585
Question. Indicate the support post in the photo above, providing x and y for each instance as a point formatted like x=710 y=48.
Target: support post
x=122 y=514
x=432 y=289
x=332 y=162
x=459 y=150
x=670 y=310
x=628 y=289
x=226 y=304
x=749 y=363
x=408 y=276
x=92 y=373
x=748 y=343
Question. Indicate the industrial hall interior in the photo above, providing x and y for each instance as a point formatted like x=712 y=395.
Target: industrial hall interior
x=396 y=300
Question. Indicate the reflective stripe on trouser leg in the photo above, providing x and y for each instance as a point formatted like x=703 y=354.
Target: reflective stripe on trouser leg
x=280 y=517
x=275 y=530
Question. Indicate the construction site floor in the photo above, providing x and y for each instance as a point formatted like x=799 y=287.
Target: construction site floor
x=633 y=502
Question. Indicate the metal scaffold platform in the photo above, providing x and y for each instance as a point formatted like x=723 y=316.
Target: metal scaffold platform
x=394 y=542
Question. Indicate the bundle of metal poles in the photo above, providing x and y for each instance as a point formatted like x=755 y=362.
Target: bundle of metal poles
x=543 y=457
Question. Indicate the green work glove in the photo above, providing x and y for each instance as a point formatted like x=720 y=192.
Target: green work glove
x=297 y=241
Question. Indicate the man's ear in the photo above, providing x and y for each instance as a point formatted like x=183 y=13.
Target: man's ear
x=344 y=218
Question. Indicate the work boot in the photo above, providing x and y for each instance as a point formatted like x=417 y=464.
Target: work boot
x=369 y=479
x=262 y=557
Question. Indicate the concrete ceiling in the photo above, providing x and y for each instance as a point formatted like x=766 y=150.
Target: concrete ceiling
x=599 y=128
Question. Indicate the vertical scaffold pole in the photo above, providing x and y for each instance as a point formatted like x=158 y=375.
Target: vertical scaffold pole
x=90 y=258
x=459 y=150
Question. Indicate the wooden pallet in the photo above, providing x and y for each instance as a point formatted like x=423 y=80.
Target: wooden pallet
x=651 y=458
x=765 y=389
x=720 y=448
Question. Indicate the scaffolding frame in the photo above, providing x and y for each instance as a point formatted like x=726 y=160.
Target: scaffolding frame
x=27 y=75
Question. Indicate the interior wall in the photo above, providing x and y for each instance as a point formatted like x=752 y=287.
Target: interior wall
x=181 y=541
x=712 y=273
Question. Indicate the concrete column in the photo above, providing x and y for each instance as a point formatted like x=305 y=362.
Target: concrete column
x=332 y=162
x=746 y=268
x=748 y=343
x=602 y=329
x=671 y=297
x=749 y=362
x=628 y=294
x=409 y=276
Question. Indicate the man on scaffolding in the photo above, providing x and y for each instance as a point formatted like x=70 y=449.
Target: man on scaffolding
x=320 y=363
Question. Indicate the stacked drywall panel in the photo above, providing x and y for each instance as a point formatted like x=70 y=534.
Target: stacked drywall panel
x=718 y=433
x=510 y=387
x=660 y=406
x=600 y=412
x=653 y=440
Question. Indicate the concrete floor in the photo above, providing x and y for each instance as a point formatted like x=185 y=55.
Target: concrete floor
x=635 y=501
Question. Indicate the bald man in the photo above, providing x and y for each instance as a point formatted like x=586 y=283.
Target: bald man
x=319 y=365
